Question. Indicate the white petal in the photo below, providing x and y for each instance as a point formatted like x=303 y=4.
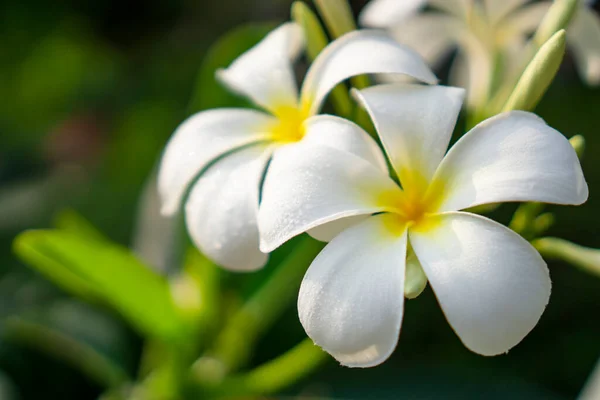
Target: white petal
x=342 y=134
x=584 y=36
x=156 y=236
x=326 y=232
x=352 y=296
x=387 y=13
x=496 y=10
x=432 y=35
x=265 y=72
x=514 y=156
x=221 y=212
x=492 y=284
x=307 y=186
x=480 y=64
x=198 y=141
x=357 y=53
x=415 y=123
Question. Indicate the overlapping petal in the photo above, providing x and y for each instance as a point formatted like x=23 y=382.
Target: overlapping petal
x=514 y=156
x=387 y=13
x=356 y=53
x=414 y=122
x=221 y=212
x=432 y=35
x=307 y=186
x=342 y=134
x=265 y=72
x=491 y=284
x=584 y=37
x=352 y=296
x=200 y=140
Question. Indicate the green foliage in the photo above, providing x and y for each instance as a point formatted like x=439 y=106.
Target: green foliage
x=106 y=273
x=78 y=335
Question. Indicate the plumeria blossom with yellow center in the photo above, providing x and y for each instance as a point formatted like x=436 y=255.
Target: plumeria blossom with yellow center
x=482 y=30
x=222 y=155
x=490 y=282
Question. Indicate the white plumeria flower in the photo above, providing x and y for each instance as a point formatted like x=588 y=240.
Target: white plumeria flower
x=491 y=284
x=223 y=153
x=482 y=29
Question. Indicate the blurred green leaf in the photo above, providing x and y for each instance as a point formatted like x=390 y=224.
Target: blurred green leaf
x=80 y=336
x=71 y=221
x=208 y=92
x=104 y=272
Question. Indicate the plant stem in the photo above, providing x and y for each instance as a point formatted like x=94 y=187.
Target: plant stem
x=585 y=258
x=234 y=344
x=276 y=374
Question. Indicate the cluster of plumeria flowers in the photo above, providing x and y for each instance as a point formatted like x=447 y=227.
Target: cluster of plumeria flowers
x=486 y=32
x=251 y=180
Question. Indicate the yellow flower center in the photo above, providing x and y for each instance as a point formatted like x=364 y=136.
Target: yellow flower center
x=290 y=124
x=415 y=206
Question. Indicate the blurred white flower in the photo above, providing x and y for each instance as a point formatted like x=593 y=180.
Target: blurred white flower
x=223 y=154
x=482 y=30
x=491 y=284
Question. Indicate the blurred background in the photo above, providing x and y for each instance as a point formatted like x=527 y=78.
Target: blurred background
x=90 y=91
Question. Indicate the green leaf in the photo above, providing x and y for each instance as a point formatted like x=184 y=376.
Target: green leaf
x=71 y=221
x=208 y=92
x=107 y=273
x=78 y=335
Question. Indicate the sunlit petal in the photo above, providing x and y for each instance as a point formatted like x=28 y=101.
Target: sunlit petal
x=221 y=212
x=351 y=298
x=265 y=73
x=356 y=53
x=514 y=156
x=342 y=134
x=491 y=284
x=308 y=185
x=387 y=13
x=198 y=141
x=414 y=122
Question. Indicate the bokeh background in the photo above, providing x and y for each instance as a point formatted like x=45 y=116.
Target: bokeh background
x=90 y=92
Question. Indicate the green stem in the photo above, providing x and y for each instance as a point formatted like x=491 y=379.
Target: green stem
x=337 y=15
x=93 y=364
x=585 y=258
x=316 y=41
x=233 y=345
x=275 y=375
x=524 y=217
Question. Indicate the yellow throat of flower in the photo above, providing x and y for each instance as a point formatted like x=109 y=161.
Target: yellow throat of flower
x=415 y=206
x=290 y=123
